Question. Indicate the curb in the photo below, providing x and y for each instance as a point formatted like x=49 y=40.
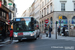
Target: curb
x=4 y=43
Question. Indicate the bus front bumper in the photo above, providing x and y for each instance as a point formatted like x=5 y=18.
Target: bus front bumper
x=23 y=37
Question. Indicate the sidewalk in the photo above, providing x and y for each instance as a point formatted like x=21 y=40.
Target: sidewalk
x=4 y=42
x=53 y=36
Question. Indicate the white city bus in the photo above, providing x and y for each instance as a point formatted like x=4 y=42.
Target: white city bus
x=25 y=28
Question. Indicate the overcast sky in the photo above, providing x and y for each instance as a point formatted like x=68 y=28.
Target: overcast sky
x=22 y=5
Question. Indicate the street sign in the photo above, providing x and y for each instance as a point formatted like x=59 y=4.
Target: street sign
x=9 y=22
x=46 y=21
x=11 y=26
x=0 y=4
x=60 y=17
x=37 y=26
x=9 y=3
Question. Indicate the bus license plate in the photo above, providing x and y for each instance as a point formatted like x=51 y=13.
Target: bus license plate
x=24 y=38
x=25 y=33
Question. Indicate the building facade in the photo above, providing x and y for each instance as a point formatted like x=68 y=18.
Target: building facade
x=32 y=10
x=29 y=12
x=26 y=13
x=6 y=14
x=37 y=9
x=53 y=9
x=46 y=12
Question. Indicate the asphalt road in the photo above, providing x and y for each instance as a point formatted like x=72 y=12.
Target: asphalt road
x=40 y=44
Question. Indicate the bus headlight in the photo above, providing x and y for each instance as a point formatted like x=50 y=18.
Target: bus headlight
x=15 y=35
x=32 y=34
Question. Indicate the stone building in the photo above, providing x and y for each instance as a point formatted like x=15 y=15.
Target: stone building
x=26 y=13
x=52 y=9
x=6 y=13
x=37 y=9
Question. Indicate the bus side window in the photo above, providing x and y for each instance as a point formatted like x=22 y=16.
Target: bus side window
x=32 y=25
x=35 y=27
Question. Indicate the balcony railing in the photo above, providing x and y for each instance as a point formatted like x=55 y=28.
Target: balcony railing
x=11 y=0
x=5 y=3
x=11 y=8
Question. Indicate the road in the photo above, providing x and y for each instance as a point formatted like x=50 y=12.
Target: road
x=40 y=44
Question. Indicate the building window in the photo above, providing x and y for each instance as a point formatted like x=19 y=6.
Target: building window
x=50 y=8
x=44 y=11
x=62 y=6
x=47 y=9
x=5 y=15
x=40 y=14
x=45 y=1
x=2 y=13
x=74 y=6
x=42 y=4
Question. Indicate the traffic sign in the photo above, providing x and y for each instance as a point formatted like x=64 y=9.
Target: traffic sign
x=9 y=3
x=9 y=22
x=60 y=17
x=45 y=25
x=46 y=21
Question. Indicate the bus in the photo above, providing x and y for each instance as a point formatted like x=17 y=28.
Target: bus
x=25 y=28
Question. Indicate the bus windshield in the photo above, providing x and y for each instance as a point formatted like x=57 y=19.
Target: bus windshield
x=24 y=26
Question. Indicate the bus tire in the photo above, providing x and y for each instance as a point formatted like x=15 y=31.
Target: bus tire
x=38 y=35
x=19 y=40
x=35 y=38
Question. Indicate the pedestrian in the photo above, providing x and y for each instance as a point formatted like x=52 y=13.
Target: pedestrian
x=74 y=27
x=46 y=31
x=8 y=33
x=64 y=31
x=50 y=30
x=3 y=32
x=59 y=31
x=11 y=34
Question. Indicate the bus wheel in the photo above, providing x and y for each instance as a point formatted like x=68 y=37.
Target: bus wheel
x=35 y=38
x=38 y=35
x=19 y=40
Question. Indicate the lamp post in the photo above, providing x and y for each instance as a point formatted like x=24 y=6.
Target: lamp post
x=56 y=28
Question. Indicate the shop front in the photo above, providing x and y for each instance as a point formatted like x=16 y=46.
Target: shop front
x=4 y=17
x=73 y=21
x=63 y=23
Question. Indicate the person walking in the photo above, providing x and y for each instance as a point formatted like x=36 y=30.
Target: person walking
x=59 y=31
x=46 y=31
x=64 y=31
x=3 y=32
x=11 y=34
x=50 y=30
